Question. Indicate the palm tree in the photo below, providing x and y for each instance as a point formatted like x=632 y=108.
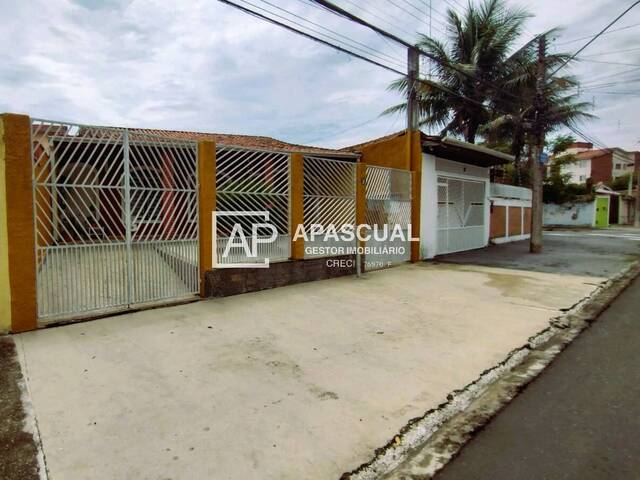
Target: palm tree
x=478 y=48
x=513 y=111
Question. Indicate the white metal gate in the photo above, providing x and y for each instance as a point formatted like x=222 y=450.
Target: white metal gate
x=461 y=214
x=116 y=218
x=329 y=199
x=388 y=205
x=250 y=180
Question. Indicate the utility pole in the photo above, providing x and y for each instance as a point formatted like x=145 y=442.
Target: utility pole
x=538 y=132
x=636 y=169
x=413 y=68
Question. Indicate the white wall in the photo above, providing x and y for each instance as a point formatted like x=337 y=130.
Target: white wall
x=579 y=171
x=625 y=162
x=570 y=214
x=429 y=207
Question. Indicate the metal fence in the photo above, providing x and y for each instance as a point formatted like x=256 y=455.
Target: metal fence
x=388 y=194
x=329 y=199
x=252 y=181
x=116 y=218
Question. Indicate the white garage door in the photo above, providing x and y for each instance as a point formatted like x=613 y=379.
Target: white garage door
x=461 y=214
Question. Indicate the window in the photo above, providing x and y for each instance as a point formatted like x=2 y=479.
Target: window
x=583 y=178
x=618 y=166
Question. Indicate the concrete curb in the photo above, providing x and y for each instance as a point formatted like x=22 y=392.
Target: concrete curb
x=427 y=443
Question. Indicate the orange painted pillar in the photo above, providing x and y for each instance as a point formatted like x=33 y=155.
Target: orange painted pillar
x=297 y=204
x=206 y=206
x=416 y=185
x=18 y=306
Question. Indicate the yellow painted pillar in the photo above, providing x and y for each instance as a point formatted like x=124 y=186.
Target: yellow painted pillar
x=206 y=206
x=18 y=306
x=297 y=204
x=5 y=288
x=416 y=185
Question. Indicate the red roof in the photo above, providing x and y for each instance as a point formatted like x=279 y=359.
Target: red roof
x=593 y=153
x=249 y=141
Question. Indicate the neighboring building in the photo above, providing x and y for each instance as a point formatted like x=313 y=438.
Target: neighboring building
x=599 y=165
x=607 y=207
x=454 y=206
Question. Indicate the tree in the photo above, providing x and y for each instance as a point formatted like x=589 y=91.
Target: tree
x=515 y=112
x=478 y=44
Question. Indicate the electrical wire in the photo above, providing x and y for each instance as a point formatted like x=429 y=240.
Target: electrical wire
x=308 y=35
x=341 y=48
x=611 y=52
x=350 y=16
x=610 y=63
x=606 y=33
x=377 y=53
x=397 y=62
x=595 y=37
x=373 y=14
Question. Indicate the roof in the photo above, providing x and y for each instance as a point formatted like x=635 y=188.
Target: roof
x=464 y=152
x=247 y=141
x=448 y=148
x=598 y=152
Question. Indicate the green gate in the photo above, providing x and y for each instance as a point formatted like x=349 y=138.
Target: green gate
x=602 y=212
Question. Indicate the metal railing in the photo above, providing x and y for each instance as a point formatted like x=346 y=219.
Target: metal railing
x=249 y=180
x=388 y=194
x=329 y=196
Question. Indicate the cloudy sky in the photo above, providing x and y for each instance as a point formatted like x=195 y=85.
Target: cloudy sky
x=204 y=66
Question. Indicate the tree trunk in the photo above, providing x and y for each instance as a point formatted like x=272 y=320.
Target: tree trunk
x=535 y=244
x=636 y=169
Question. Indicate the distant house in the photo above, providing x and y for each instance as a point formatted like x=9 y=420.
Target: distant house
x=599 y=165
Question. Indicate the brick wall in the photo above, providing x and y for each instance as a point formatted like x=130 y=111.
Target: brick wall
x=515 y=221
x=497 y=225
x=601 y=168
x=232 y=281
x=527 y=221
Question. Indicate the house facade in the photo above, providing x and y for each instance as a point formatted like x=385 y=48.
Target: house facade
x=101 y=220
x=599 y=165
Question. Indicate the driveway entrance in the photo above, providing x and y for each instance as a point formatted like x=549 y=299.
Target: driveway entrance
x=116 y=219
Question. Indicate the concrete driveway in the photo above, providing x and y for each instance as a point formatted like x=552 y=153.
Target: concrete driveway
x=299 y=382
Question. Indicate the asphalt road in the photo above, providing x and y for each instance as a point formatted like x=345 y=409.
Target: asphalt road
x=579 y=420
x=599 y=253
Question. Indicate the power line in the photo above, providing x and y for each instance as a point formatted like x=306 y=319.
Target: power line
x=610 y=63
x=344 y=50
x=308 y=35
x=350 y=16
x=595 y=37
x=376 y=54
x=423 y=12
x=408 y=12
x=611 y=52
x=363 y=50
x=607 y=33
x=394 y=25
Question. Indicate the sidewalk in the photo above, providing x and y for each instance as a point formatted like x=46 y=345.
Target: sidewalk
x=305 y=381
x=579 y=420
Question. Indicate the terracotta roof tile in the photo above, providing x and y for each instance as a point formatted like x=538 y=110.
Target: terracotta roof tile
x=248 y=141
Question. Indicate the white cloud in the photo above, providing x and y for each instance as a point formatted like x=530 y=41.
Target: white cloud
x=201 y=65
